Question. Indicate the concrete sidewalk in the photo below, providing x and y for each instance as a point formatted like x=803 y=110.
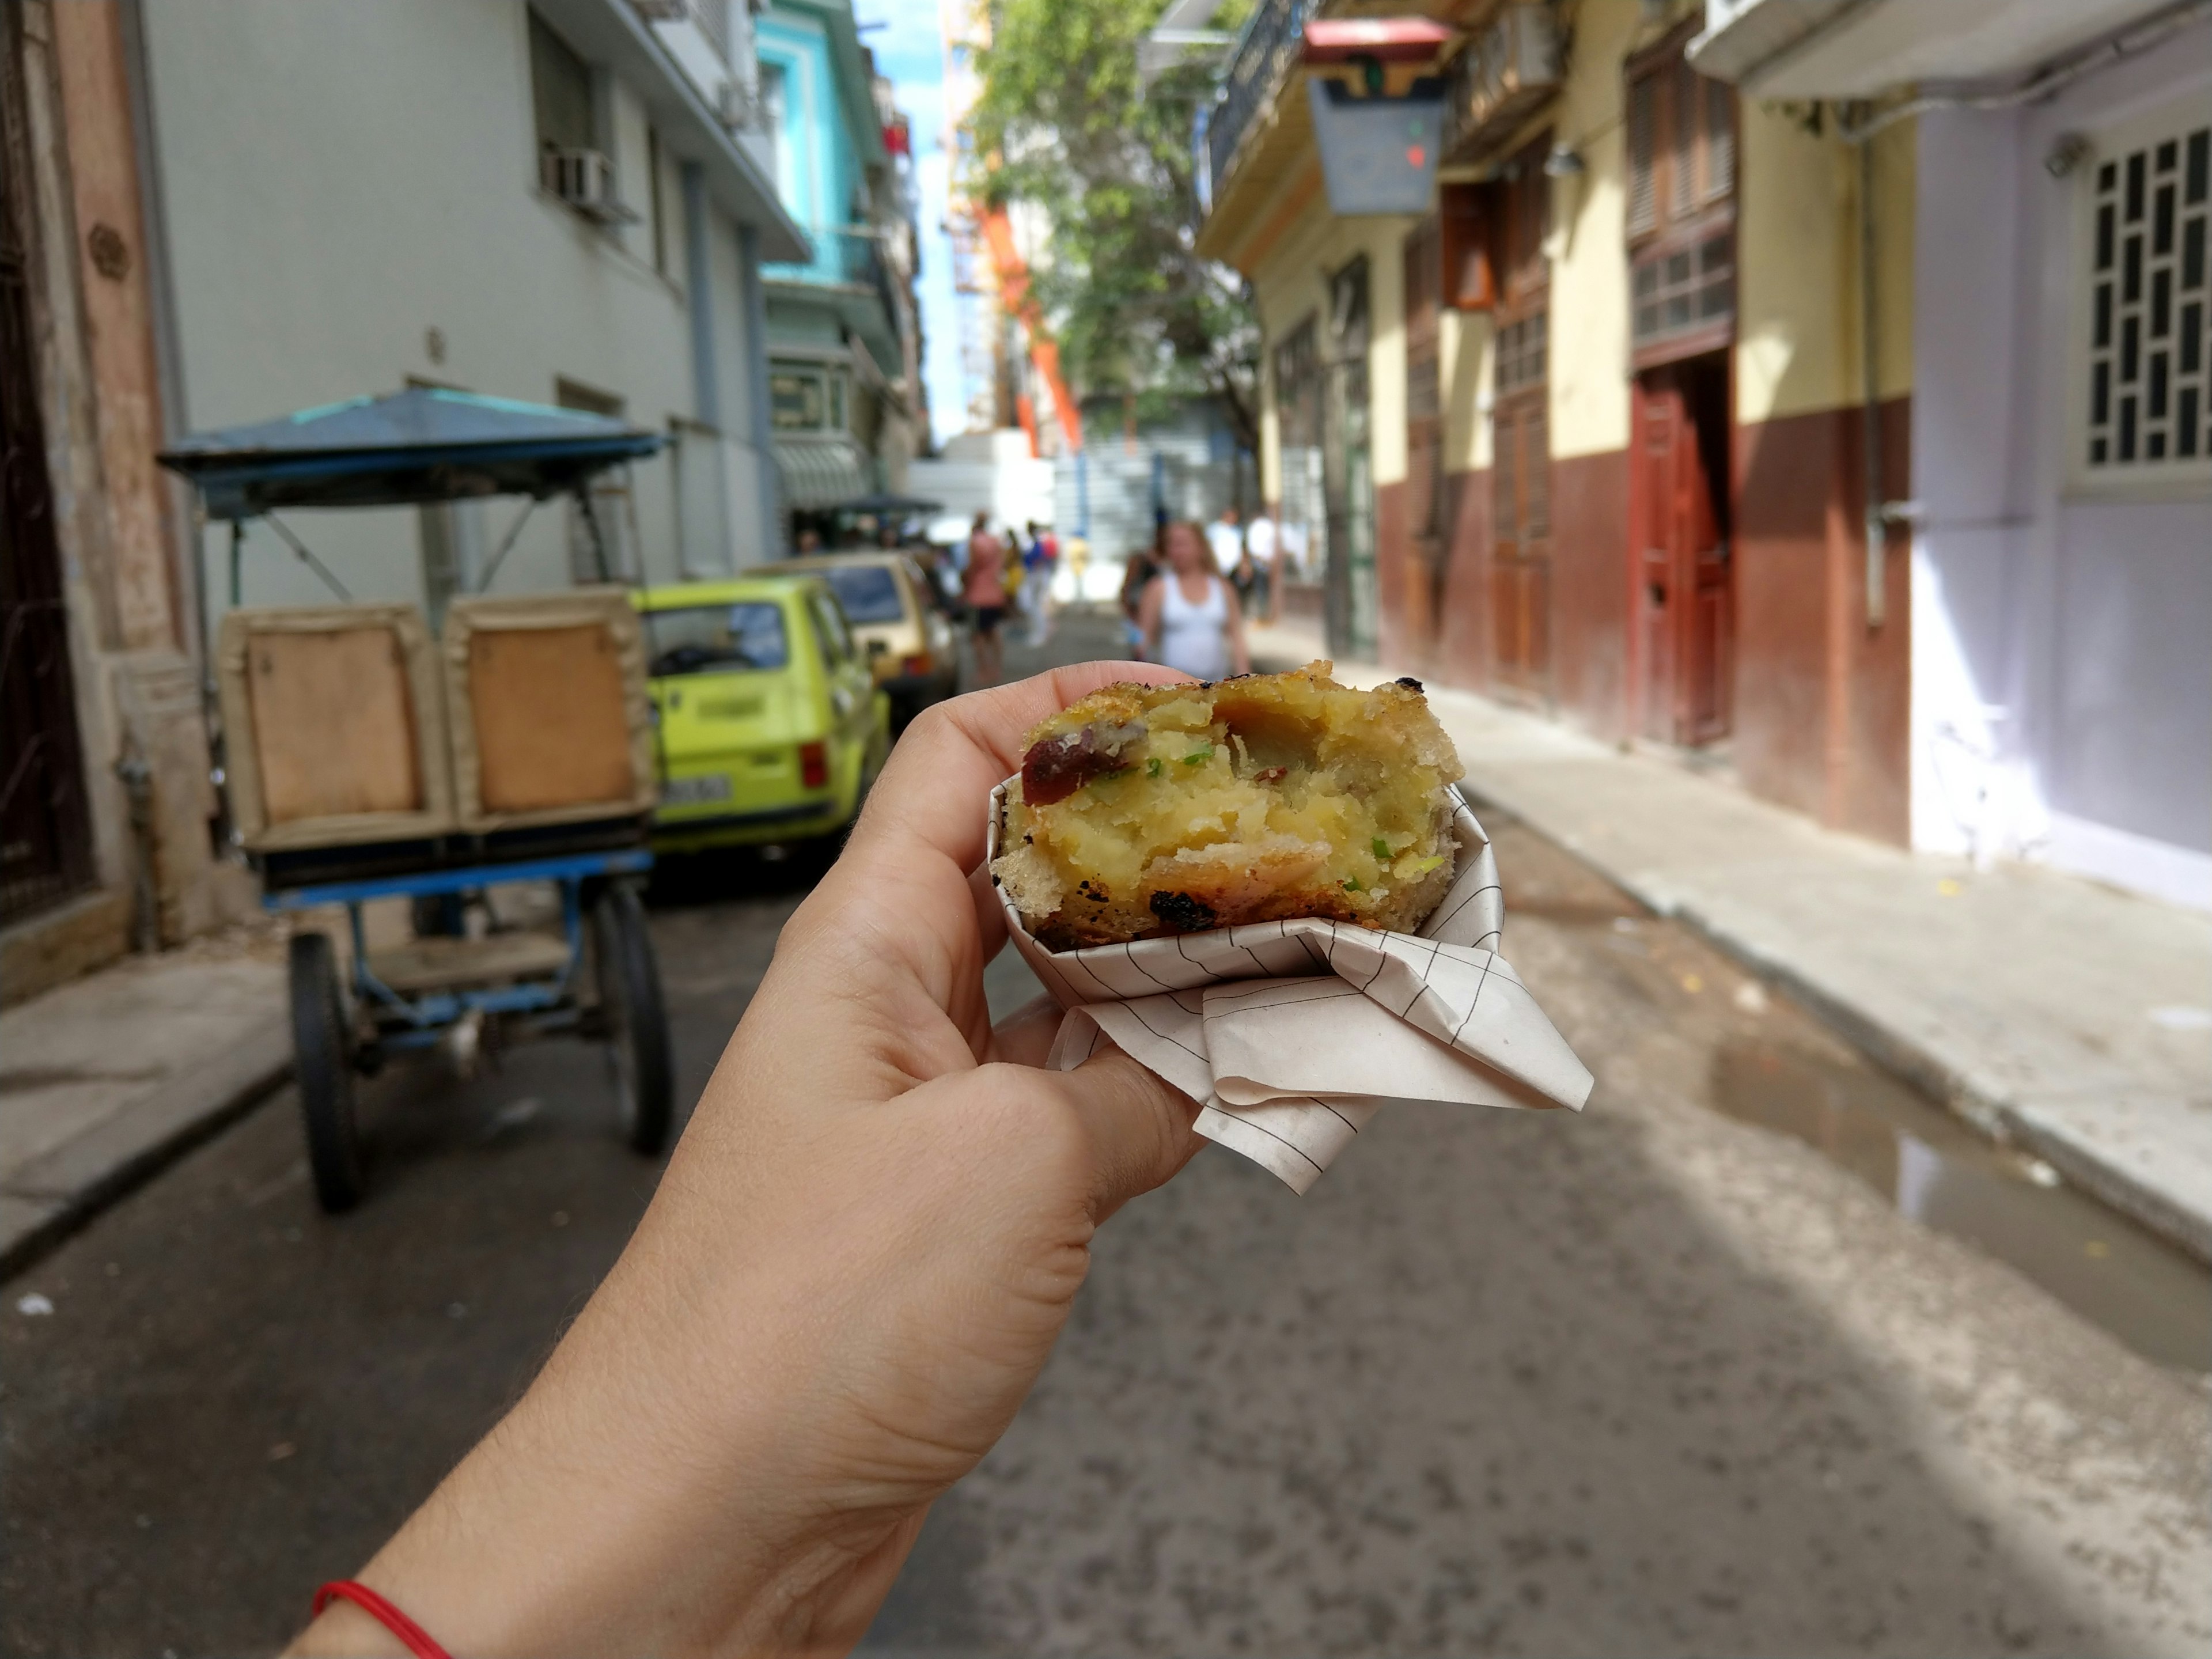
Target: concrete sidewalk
x=104 y=1079
x=2062 y=1016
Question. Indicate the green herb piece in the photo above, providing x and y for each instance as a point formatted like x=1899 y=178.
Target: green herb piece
x=1199 y=756
x=1424 y=865
x=1152 y=767
x=1382 y=849
x=1352 y=884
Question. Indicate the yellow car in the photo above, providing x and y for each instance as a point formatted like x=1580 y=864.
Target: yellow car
x=768 y=723
x=908 y=638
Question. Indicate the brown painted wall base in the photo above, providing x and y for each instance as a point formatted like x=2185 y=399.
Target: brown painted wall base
x=1399 y=617
x=1589 y=591
x=1463 y=656
x=1822 y=700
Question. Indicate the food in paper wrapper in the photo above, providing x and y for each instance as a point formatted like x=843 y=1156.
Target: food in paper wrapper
x=1144 y=811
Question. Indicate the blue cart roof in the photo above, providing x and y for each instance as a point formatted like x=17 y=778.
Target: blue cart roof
x=424 y=444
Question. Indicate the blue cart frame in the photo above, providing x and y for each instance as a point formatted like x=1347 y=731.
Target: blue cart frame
x=421 y=1020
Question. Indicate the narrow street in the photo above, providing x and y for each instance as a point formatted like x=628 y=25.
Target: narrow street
x=1660 y=1378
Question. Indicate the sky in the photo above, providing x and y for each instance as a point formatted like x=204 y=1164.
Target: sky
x=904 y=35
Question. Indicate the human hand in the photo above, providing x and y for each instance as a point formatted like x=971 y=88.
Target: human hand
x=855 y=1267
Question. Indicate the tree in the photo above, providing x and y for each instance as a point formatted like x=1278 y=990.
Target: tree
x=1061 y=122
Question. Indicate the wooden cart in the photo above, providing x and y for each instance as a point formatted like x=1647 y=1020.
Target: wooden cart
x=363 y=758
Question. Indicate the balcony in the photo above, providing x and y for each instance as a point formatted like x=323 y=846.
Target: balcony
x=1265 y=51
x=848 y=274
x=1258 y=134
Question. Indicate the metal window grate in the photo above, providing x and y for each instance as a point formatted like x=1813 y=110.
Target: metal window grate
x=2149 y=395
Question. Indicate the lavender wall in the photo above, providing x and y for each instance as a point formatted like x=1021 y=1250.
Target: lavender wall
x=2063 y=642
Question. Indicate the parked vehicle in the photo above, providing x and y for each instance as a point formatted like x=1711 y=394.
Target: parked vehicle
x=901 y=626
x=769 y=726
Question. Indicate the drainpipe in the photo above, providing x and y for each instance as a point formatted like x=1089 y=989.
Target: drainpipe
x=146 y=902
x=1877 y=531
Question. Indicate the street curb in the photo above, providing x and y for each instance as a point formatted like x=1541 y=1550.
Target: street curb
x=54 y=1195
x=2006 y=1118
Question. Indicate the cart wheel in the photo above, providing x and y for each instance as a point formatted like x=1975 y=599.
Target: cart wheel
x=323 y=1069
x=636 y=1020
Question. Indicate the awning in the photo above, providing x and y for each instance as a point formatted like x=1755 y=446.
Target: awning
x=887 y=505
x=421 y=445
x=1868 y=48
x=822 y=471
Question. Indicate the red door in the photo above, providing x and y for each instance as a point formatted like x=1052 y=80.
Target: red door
x=1683 y=604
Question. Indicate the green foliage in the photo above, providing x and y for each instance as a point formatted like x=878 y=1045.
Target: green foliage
x=1062 y=122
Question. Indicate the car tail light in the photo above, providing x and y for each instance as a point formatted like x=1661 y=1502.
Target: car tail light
x=917 y=665
x=813 y=765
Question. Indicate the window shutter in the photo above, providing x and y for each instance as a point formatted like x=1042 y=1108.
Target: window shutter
x=1720 y=140
x=1536 y=473
x=1643 y=146
x=1683 y=189
x=1504 y=505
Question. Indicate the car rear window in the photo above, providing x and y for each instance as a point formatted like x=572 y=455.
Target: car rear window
x=716 y=638
x=869 y=593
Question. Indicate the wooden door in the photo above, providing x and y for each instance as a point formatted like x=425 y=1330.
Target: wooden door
x=1684 y=606
x=46 y=838
x=1521 y=554
x=1521 y=449
x=1427 y=527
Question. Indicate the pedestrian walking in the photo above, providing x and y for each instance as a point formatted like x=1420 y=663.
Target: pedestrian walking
x=984 y=592
x=1189 y=618
x=1226 y=540
x=1037 y=585
x=1259 y=547
x=1137 y=573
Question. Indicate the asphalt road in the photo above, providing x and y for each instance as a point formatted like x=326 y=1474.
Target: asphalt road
x=1662 y=1376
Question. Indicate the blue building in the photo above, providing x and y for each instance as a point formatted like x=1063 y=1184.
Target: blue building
x=843 y=335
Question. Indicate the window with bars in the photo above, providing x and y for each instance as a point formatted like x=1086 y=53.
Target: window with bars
x=2148 y=390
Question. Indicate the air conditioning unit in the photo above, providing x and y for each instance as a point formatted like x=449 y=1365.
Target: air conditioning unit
x=739 y=106
x=585 y=179
x=1506 y=74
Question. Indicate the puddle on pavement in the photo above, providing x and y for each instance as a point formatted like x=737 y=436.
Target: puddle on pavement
x=2110 y=1272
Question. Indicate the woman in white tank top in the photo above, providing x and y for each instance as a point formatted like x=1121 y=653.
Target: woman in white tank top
x=1190 y=618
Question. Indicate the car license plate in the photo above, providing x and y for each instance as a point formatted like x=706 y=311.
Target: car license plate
x=696 y=792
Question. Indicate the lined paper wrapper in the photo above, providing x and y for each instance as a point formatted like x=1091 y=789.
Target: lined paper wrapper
x=1283 y=1030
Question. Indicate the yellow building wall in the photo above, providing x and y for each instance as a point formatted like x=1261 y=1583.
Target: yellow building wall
x=1291 y=283
x=1465 y=361
x=1589 y=250
x=1798 y=340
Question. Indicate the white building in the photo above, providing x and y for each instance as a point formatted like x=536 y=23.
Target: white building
x=532 y=201
x=213 y=214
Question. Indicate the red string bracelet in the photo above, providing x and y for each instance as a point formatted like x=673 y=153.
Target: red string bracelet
x=416 y=1640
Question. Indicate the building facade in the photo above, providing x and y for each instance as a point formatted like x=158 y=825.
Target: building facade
x=843 y=327
x=217 y=215
x=1633 y=424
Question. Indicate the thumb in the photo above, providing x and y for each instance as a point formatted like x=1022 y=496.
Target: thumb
x=1139 y=1126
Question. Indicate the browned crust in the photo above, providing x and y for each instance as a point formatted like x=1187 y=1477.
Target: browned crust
x=1247 y=884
